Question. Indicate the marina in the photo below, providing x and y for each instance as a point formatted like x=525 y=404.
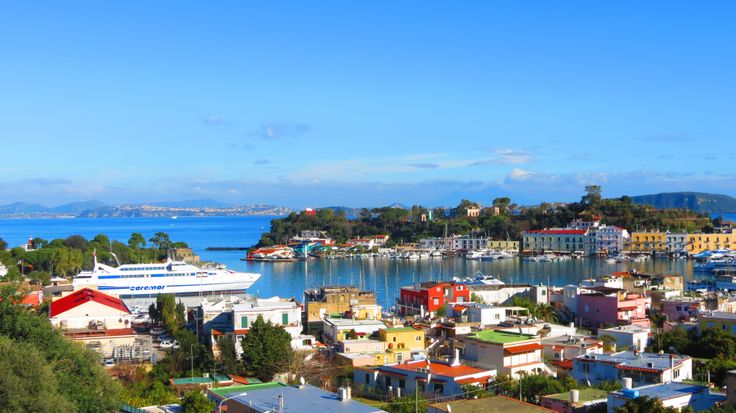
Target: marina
x=384 y=275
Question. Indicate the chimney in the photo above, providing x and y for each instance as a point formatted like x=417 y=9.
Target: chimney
x=672 y=361
x=281 y=403
x=628 y=383
x=574 y=396
x=456 y=359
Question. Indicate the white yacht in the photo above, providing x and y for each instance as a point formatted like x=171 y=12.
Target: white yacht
x=175 y=277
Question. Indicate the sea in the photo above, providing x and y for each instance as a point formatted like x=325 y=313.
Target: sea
x=289 y=279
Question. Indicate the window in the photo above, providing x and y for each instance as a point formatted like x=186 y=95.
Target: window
x=285 y=319
x=244 y=321
x=587 y=308
x=402 y=383
x=436 y=301
x=676 y=373
x=439 y=388
x=388 y=381
x=367 y=378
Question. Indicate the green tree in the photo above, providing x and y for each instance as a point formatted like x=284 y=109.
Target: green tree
x=266 y=349
x=609 y=342
x=136 y=241
x=593 y=195
x=80 y=377
x=195 y=402
x=3 y=245
x=167 y=312
x=161 y=241
x=27 y=383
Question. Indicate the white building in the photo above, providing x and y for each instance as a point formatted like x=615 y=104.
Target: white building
x=233 y=319
x=642 y=368
x=628 y=337
x=506 y=352
x=609 y=239
x=676 y=243
x=484 y=314
x=568 y=347
x=339 y=329
x=674 y=395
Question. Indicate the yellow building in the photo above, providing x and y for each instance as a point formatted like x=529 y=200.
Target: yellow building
x=503 y=245
x=646 y=242
x=402 y=339
x=697 y=243
x=719 y=320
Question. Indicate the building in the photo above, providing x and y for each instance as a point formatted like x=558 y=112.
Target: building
x=609 y=239
x=402 y=339
x=485 y=315
x=676 y=243
x=313 y=237
x=674 y=395
x=500 y=294
x=427 y=298
x=506 y=352
x=468 y=243
x=718 y=320
x=642 y=368
x=683 y=308
x=575 y=401
x=504 y=245
x=648 y=242
x=100 y=322
x=334 y=301
x=630 y=337
x=340 y=329
x=436 y=379
x=279 y=398
x=496 y=404
x=558 y=241
x=697 y=243
x=231 y=320
x=565 y=348
x=602 y=307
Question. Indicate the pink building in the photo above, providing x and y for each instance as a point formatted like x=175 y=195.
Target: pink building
x=605 y=306
x=683 y=309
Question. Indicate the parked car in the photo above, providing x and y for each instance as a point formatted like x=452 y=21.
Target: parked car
x=167 y=344
x=164 y=337
x=109 y=363
x=156 y=331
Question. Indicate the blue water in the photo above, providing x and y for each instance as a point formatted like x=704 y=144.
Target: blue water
x=382 y=275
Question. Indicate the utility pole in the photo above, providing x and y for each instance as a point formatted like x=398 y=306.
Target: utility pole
x=191 y=357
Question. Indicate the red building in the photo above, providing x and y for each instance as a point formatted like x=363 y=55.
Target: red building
x=427 y=297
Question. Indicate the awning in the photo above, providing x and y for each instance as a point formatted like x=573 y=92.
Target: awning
x=523 y=348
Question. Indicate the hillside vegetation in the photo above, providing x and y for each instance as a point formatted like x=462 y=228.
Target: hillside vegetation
x=405 y=225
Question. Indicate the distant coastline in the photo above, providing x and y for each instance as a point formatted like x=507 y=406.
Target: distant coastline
x=153 y=211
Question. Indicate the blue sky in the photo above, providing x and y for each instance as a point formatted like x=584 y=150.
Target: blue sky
x=323 y=103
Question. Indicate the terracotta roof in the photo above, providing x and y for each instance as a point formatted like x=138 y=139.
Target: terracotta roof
x=524 y=348
x=33 y=299
x=441 y=369
x=83 y=296
x=473 y=380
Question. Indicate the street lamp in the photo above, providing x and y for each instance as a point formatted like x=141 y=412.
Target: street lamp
x=219 y=407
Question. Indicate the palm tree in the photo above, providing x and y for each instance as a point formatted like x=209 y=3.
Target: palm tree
x=546 y=312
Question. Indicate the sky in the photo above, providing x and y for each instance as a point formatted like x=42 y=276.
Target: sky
x=364 y=103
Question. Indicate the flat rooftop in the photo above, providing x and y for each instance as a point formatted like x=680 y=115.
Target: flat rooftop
x=503 y=337
x=306 y=399
x=498 y=404
x=719 y=315
x=586 y=396
x=348 y=322
x=625 y=329
x=664 y=391
x=639 y=361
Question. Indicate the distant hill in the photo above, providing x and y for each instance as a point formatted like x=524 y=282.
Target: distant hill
x=694 y=201
x=192 y=203
x=19 y=208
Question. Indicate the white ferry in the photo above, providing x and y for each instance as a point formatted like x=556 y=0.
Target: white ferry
x=175 y=277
